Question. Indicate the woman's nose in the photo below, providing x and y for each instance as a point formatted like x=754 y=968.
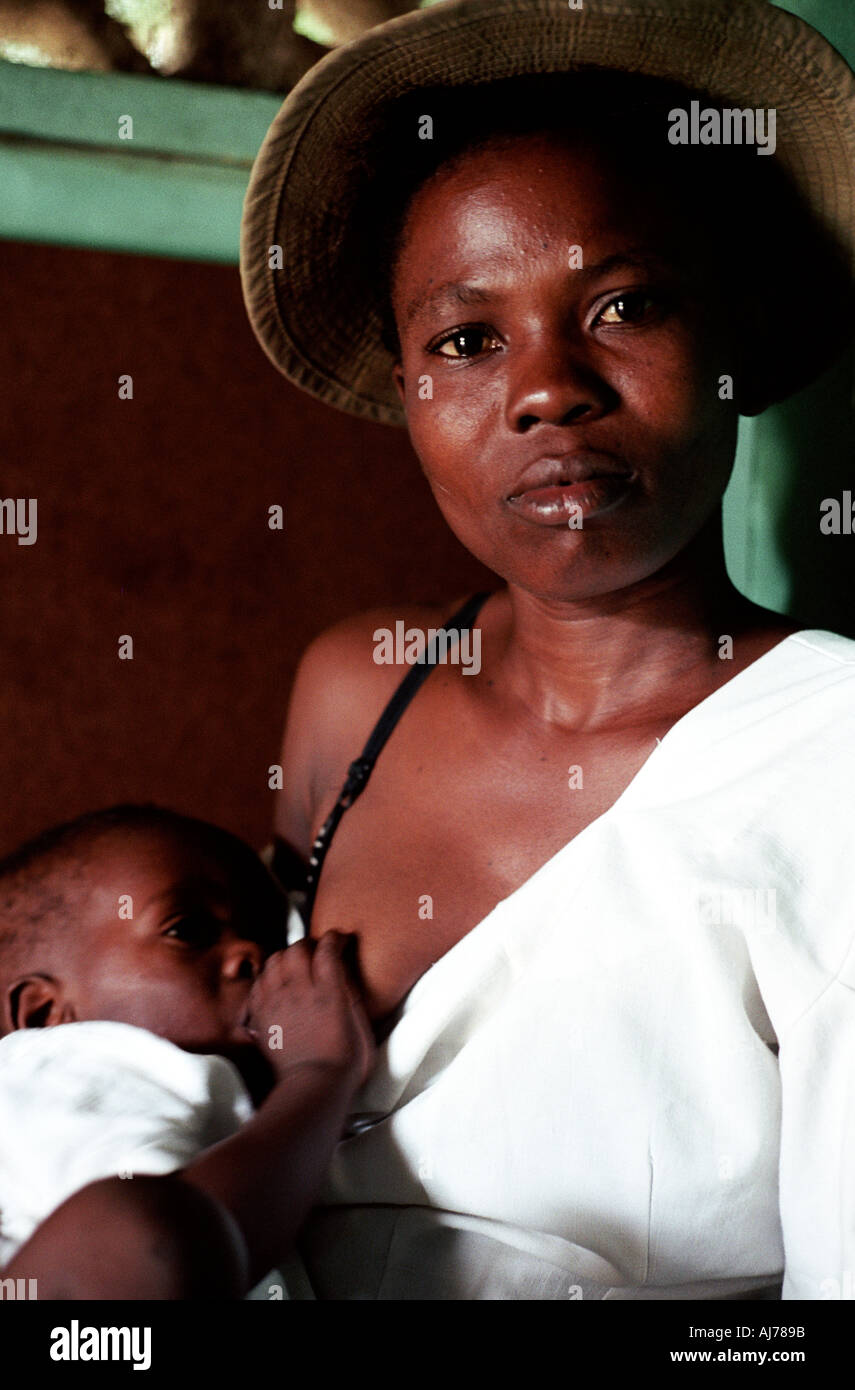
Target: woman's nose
x=242 y=960
x=550 y=383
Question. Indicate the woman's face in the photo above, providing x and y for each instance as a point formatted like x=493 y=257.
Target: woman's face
x=559 y=311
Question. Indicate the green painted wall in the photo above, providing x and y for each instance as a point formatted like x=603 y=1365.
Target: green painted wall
x=793 y=456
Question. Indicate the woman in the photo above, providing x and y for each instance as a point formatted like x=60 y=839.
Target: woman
x=601 y=926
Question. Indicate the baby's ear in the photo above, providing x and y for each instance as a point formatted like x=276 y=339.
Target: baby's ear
x=36 y=1001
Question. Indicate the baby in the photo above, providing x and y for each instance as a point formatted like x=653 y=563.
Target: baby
x=154 y=1028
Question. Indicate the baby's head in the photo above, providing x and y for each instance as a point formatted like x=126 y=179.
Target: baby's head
x=137 y=915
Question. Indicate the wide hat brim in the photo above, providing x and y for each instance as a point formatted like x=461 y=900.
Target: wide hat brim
x=320 y=323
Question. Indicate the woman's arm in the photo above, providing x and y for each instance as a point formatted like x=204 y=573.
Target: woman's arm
x=337 y=673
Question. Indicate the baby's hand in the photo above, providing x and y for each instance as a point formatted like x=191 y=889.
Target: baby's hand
x=305 y=1008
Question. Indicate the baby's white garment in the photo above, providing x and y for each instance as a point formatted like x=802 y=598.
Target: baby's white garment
x=84 y=1101
x=583 y=1097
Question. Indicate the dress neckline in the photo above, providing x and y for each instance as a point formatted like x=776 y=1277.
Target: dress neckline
x=722 y=694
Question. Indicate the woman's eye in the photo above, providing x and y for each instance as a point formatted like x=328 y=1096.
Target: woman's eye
x=631 y=307
x=465 y=342
x=195 y=930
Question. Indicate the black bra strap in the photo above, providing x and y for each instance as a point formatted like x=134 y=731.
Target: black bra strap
x=361 y=768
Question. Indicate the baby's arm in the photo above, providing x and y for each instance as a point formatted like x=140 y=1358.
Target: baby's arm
x=149 y=1238
x=268 y=1174
x=216 y=1227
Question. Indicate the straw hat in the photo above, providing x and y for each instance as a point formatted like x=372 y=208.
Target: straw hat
x=320 y=323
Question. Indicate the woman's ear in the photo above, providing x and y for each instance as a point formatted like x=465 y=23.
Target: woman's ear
x=36 y=1001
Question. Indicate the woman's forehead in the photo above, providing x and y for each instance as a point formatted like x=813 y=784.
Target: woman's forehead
x=529 y=193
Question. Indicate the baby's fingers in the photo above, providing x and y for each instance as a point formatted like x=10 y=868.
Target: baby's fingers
x=293 y=965
x=283 y=970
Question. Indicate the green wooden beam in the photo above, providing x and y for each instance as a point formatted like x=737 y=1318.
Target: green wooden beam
x=106 y=201
x=182 y=118
x=175 y=189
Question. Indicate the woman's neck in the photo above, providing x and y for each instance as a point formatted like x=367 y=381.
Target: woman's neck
x=620 y=658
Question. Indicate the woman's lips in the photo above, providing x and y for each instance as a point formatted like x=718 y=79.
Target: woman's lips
x=569 y=504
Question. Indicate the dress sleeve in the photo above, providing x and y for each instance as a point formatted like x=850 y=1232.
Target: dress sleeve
x=84 y=1101
x=817 y=1167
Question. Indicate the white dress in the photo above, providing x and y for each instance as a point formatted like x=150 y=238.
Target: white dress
x=84 y=1101
x=635 y=1078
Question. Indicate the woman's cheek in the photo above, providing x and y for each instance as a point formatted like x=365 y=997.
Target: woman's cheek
x=441 y=424
x=670 y=396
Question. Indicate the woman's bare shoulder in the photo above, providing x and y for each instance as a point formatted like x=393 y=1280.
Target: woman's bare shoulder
x=339 y=692
x=350 y=645
x=349 y=662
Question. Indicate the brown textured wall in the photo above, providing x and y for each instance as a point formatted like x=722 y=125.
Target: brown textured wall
x=152 y=521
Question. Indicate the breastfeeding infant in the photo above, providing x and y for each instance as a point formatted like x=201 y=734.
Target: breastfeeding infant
x=172 y=1082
